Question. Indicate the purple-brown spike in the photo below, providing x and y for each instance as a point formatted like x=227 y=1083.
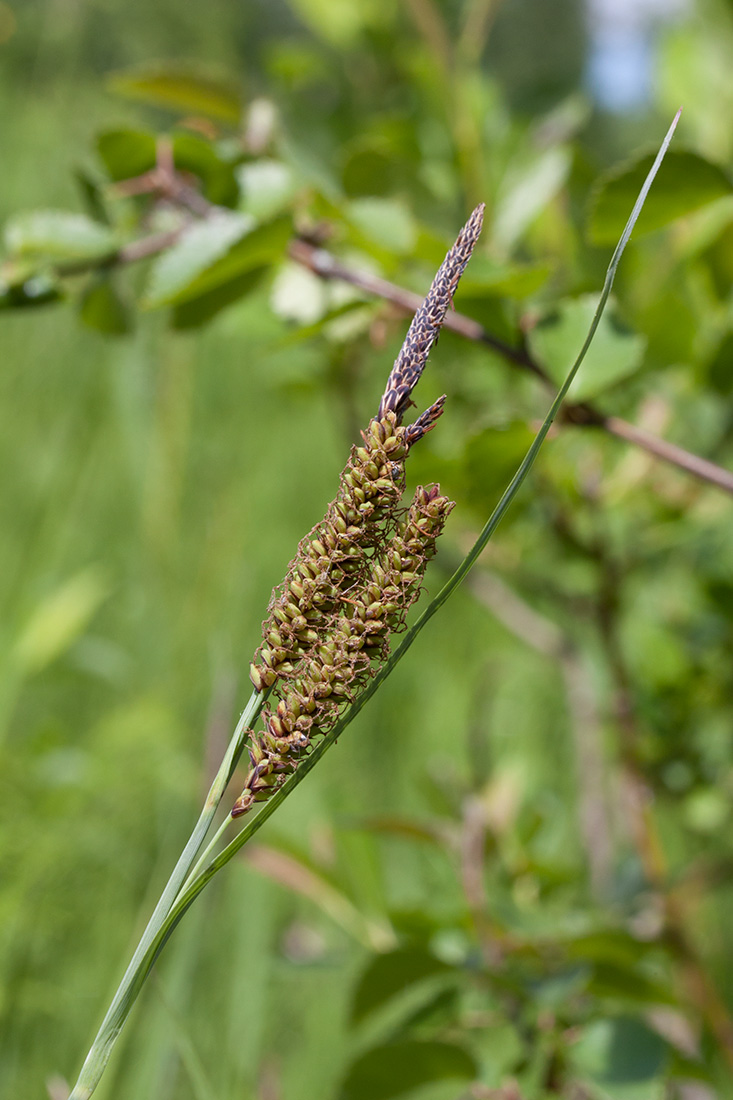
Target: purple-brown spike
x=427 y=322
x=424 y=423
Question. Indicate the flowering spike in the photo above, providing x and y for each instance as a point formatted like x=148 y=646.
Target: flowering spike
x=427 y=322
x=358 y=572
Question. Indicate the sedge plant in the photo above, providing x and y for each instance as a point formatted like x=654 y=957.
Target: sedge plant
x=326 y=643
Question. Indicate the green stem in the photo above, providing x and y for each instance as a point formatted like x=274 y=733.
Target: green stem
x=129 y=987
x=207 y=853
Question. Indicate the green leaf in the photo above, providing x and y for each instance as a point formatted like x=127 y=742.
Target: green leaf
x=527 y=192
x=489 y=460
x=625 y=984
x=267 y=187
x=613 y=945
x=387 y=223
x=489 y=278
x=211 y=254
x=396 y=1068
x=101 y=308
x=616 y=353
x=194 y=154
x=368 y=170
x=390 y=974
x=686 y=181
x=92 y=197
x=36 y=290
x=181 y=88
x=199 y=311
x=622 y=1051
x=175 y=273
x=58 y=235
x=126 y=153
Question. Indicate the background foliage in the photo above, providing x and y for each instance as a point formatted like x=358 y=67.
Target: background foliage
x=512 y=879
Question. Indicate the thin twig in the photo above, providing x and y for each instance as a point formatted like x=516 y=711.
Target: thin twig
x=322 y=263
x=164 y=181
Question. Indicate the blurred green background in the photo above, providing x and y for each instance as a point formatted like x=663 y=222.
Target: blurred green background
x=512 y=877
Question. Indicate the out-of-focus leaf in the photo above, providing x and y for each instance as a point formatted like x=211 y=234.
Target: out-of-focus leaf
x=627 y=984
x=178 y=270
x=621 y=1051
x=126 y=153
x=387 y=223
x=101 y=308
x=687 y=1069
x=390 y=974
x=201 y=310
x=501 y=1049
x=526 y=193
x=720 y=369
x=58 y=235
x=91 y=194
x=267 y=187
x=706 y=810
x=59 y=620
x=396 y=1068
x=487 y=277
x=686 y=181
x=181 y=88
x=213 y=253
x=487 y=458
x=368 y=170
x=342 y=24
x=36 y=290
x=439 y=1009
x=612 y=945
x=217 y=173
x=614 y=354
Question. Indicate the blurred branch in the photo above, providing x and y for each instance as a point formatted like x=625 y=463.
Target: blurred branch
x=547 y=638
x=699 y=987
x=583 y=414
x=165 y=182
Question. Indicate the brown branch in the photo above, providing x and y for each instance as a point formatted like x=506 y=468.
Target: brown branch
x=164 y=181
x=693 y=464
x=322 y=263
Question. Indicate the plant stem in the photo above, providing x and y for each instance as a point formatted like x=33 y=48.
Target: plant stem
x=128 y=988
